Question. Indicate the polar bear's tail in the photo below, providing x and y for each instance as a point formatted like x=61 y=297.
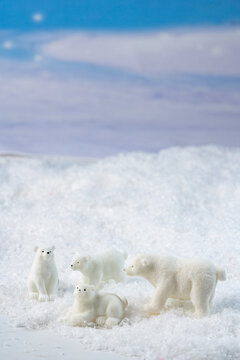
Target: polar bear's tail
x=221 y=274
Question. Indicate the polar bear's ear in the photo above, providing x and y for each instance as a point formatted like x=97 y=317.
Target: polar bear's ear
x=36 y=248
x=53 y=248
x=145 y=262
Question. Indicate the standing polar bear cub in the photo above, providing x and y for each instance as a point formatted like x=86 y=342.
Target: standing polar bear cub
x=43 y=278
x=189 y=279
x=93 y=306
x=108 y=265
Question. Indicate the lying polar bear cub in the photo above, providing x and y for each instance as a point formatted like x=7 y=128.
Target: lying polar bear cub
x=43 y=278
x=109 y=265
x=190 y=279
x=92 y=306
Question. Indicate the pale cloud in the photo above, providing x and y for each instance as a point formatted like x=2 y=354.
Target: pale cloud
x=37 y=58
x=50 y=107
x=38 y=17
x=212 y=51
x=7 y=45
x=46 y=112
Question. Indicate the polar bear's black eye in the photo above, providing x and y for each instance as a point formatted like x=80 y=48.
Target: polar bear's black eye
x=42 y=250
x=84 y=289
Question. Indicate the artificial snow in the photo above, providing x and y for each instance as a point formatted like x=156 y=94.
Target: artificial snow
x=182 y=201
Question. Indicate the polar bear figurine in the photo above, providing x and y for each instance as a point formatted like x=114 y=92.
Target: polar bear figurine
x=91 y=306
x=99 y=269
x=189 y=279
x=43 y=278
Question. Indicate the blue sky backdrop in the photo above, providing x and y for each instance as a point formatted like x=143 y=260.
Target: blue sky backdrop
x=98 y=77
x=117 y=14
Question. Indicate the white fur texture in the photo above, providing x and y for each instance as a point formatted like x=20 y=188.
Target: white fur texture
x=91 y=306
x=43 y=278
x=106 y=266
x=188 y=279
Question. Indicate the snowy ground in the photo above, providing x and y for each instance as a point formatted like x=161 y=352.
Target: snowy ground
x=182 y=201
x=17 y=343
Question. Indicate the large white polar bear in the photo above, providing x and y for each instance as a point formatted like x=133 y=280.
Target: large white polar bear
x=89 y=306
x=43 y=278
x=189 y=279
x=98 y=269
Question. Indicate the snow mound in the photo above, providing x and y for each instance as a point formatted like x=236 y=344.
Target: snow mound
x=182 y=201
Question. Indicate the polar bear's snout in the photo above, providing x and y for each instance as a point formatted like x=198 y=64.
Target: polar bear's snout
x=129 y=270
x=84 y=291
x=79 y=263
x=137 y=266
x=74 y=265
x=46 y=254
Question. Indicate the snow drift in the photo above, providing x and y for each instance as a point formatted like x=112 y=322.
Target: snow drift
x=182 y=201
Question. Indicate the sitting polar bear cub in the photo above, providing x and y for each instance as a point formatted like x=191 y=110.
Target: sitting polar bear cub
x=190 y=279
x=100 y=307
x=43 y=278
x=106 y=266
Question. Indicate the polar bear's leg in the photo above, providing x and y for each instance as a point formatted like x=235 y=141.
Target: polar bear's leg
x=114 y=313
x=96 y=279
x=120 y=275
x=100 y=320
x=158 y=301
x=211 y=300
x=88 y=316
x=32 y=290
x=112 y=321
x=76 y=320
x=43 y=296
x=82 y=319
x=117 y=272
x=52 y=288
x=212 y=296
x=200 y=300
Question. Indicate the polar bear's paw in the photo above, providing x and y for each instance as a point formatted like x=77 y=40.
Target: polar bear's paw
x=100 y=320
x=150 y=309
x=77 y=320
x=33 y=295
x=200 y=313
x=111 y=321
x=43 y=297
x=52 y=297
